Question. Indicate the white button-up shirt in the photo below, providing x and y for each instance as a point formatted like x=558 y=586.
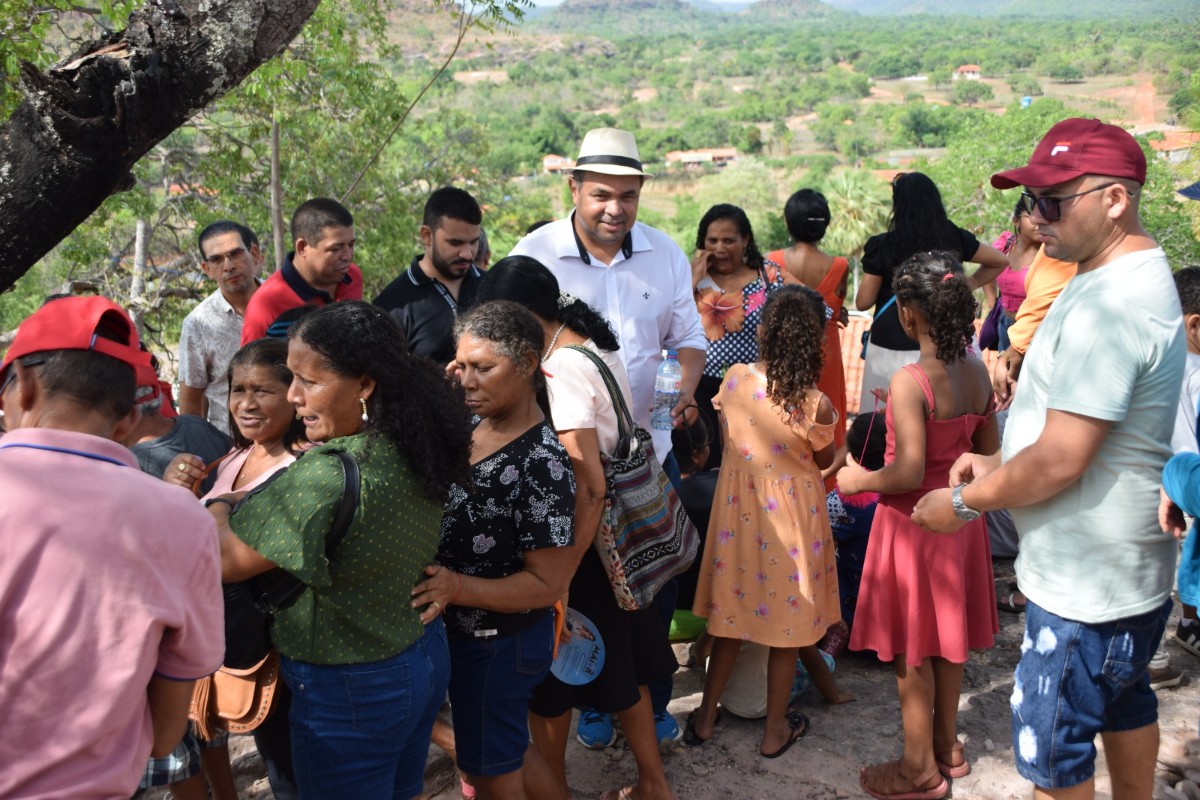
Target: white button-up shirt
x=645 y=294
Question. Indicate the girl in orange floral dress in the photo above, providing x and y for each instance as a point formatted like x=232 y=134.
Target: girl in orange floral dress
x=768 y=573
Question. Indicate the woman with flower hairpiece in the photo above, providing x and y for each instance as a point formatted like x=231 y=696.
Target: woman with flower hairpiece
x=731 y=280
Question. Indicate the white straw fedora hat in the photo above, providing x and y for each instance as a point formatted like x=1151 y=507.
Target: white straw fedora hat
x=610 y=151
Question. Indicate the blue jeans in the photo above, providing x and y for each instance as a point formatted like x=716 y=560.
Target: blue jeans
x=362 y=730
x=491 y=683
x=1076 y=680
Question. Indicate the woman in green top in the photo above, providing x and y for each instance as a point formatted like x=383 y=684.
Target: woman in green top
x=367 y=675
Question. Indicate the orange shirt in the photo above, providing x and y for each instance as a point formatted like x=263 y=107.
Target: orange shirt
x=1045 y=279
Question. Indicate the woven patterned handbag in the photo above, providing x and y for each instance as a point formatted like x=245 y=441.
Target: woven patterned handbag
x=645 y=536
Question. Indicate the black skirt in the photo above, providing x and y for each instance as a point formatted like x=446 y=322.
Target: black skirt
x=637 y=650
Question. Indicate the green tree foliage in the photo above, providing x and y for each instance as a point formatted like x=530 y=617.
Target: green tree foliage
x=989 y=144
x=968 y=93
x=1026 y=85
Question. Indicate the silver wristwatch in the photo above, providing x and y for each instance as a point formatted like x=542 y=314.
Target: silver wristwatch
x=960 y=508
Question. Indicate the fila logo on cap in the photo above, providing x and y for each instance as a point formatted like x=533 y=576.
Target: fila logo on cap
x=1060 y=147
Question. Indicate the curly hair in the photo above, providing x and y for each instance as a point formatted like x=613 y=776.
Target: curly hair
x=413 y=404
x=515 y=332
x=750 y=255
x=527 y=281
x=791 y=342
x=1187 y=284
x=270 y=354
x=807 y=216
x=935 y=285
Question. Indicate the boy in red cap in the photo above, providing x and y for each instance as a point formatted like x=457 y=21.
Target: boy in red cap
x=1087 y=437
x=112 y=601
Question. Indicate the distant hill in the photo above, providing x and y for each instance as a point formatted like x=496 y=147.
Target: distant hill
x=986 y=8
x=624 y=17
x=787 y=10
x=721 y=8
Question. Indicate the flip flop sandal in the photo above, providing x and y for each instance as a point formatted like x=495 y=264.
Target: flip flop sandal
x=1010 y=604
x=624 y=793
x=690 y=737
x=800 y=725
x=935 y=793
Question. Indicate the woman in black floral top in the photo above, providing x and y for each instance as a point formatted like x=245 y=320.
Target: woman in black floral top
x=506 y=552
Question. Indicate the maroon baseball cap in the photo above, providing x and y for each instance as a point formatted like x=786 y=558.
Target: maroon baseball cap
x=70 y=323
x=1077 y=147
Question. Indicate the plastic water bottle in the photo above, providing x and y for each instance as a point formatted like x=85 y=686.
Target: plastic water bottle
x=666 y=391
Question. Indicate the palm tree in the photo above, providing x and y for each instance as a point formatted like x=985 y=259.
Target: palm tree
x=860 y=204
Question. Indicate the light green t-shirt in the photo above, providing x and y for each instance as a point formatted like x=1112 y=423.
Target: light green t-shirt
x=356 y=609
x=1111 y=348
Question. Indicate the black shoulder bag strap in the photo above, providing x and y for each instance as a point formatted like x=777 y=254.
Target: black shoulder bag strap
x=285 y=591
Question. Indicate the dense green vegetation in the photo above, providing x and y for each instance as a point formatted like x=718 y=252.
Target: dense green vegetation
x=815 y=100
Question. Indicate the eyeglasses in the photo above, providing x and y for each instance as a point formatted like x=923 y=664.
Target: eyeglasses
x=1051 y=207
x=237 y=254
x=12 y=373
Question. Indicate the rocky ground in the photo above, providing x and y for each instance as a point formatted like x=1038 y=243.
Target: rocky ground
x=825 y=765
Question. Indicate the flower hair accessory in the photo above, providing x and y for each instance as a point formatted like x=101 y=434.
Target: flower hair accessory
x=565 y=299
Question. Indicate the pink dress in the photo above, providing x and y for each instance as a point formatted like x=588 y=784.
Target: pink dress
x=926 y=594
x=769 y=571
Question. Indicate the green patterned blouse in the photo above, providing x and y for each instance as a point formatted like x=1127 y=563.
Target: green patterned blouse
x=356 y=609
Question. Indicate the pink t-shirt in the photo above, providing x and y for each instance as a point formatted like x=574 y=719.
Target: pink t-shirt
x=107 y=576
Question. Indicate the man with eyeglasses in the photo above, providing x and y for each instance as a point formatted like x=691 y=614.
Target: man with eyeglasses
x=212 y=332
x=1088 y=435
x=112 y=603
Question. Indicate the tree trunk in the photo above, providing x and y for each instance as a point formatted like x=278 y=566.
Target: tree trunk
x=137 y=287
x=88 y=119
x=279 y=237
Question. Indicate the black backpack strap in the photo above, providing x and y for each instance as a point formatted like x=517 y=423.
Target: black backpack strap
x=284 y=591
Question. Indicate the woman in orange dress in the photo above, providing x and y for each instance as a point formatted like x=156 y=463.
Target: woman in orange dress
x=807 y=216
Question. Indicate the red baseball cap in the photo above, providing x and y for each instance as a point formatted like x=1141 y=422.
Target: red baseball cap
x=70 y=323
x=1077 y=147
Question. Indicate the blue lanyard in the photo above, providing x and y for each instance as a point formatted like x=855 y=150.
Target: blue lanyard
x=66 y=450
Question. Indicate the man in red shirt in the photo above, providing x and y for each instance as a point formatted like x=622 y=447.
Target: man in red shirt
x=318 y=272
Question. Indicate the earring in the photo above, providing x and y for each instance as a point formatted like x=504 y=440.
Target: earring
x=298 y=416
x=365 y=418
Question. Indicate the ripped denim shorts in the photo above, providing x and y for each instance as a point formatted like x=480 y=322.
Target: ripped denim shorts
x=1074 y=681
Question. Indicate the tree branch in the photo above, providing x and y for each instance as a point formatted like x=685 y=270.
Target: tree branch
x=87 y=120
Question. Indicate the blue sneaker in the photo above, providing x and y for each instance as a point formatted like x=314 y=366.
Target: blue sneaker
x=595 y=730
x=666 y=728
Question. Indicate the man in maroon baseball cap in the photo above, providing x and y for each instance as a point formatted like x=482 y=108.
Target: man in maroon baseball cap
x=1087 y=437
x=112 y=604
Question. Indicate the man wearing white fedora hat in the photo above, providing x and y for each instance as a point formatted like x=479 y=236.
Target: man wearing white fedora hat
x=634 y=275
x=641 y=282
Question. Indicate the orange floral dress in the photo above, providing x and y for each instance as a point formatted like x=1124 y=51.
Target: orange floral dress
x=768 y=573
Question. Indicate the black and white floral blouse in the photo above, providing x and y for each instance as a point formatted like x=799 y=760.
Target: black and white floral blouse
x=522 y=498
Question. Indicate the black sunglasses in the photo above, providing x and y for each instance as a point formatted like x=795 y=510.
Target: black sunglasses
x=1051 y=207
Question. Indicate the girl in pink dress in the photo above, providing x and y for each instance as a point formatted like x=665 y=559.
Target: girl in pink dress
x=926 y=599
